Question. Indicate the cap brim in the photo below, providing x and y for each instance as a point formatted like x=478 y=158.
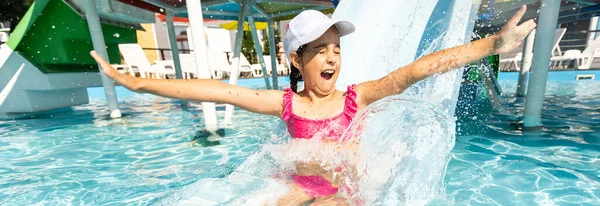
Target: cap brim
x=344 y=27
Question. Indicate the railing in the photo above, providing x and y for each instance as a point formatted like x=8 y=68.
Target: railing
x=162 y=51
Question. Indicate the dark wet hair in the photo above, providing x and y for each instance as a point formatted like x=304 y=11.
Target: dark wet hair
x=295 y=75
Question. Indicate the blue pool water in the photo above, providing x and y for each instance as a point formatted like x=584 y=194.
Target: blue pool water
x=79 y=156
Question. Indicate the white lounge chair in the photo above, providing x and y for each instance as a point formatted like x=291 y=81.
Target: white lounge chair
x=281 y=69
x=255 y=69
x=568 y=56
x=589 y=57
x=138 y=63
x=188 y=66
x=219 y=64
x=511 y=60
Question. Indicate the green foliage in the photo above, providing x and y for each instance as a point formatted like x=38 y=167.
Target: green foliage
x=267 y=48
x=248 y=47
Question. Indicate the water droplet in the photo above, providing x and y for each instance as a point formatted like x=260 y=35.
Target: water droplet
x=53 y=27
x=116 y=35
x=538 y=11
x=162 y=10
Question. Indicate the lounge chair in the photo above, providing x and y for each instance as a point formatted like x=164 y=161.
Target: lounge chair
x=589 y=57
x=218 y=64
x=281 y=69
x=188 y=66
x=138 y=63
x=568 y=56
x=245 y=66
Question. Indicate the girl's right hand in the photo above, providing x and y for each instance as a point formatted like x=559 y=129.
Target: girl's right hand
x=106 y=67
x=127 y=81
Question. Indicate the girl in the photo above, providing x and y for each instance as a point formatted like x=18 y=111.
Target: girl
x=312 y=44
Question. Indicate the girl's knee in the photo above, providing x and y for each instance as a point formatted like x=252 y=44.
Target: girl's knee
x=296 y=196
x=330 y=200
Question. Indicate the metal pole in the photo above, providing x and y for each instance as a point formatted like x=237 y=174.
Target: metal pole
x=173 y=44
x=593 y=26
x=257 y=46
x=271 y=36
x=174 y=49
x=525 y=64
x=233 y=77
x=541 y=64
x=197 y=32
x=93 y=21
x=597 y=27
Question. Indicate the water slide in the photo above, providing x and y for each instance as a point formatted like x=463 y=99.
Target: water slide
x=404 y=141
x=46 y=65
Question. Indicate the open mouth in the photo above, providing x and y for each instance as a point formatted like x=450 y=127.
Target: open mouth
x=327 y=74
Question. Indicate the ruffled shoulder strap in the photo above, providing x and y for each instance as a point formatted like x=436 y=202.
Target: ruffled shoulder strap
x=350 y=104
x=288 y=96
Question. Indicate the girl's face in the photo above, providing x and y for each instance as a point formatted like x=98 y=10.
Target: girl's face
x=320 y=63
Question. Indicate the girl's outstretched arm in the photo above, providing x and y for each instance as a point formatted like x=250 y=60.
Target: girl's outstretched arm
x=445 y=60
x=268 y=102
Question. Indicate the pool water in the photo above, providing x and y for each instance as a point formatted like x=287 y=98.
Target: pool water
x=494 y=163
x=80 y=156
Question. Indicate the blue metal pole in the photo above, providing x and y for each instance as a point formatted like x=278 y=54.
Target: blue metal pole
x=525 y=64
x=541 y=63
x=257 y=46
x=93 y=21
x=597 y=27
x=173 y=44
x=271 y=39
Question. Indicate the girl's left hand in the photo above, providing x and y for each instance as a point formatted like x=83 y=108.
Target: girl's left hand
x=511 y=35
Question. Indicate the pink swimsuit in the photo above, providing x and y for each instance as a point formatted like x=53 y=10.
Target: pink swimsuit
x=330 y=129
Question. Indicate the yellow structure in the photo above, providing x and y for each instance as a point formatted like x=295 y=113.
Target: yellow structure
x=147 y=39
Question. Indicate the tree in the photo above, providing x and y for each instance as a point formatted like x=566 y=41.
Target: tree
x=266 y=48
x=248 y=47
x=13 y=10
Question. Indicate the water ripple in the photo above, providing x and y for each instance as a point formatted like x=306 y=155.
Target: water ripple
x=498 y=164
x=81 y=156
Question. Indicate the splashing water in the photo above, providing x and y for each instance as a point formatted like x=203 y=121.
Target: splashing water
x=400 y=162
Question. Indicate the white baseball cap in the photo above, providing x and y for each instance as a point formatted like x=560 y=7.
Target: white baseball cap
x=308 y=26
